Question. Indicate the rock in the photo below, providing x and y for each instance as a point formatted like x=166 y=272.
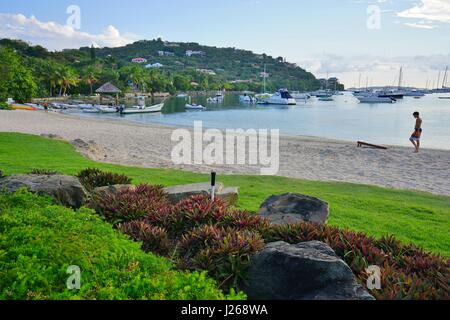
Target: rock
x=90 y=149
x=293 y=208
x=229 y=195
x=305 y=271
x=66 y=190
x=51 y=136
x=178 y=193
x=112 y=190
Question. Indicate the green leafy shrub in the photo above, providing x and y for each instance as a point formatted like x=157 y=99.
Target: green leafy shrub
x=39 y=241
x=5 y=106
x=94 y=178
x=407 y=271
x=44 y=172
x=2 y=175
x=132 y=204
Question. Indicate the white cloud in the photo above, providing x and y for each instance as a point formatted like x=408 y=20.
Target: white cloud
x=430 y=10
x=420 y=25
x=55 y=36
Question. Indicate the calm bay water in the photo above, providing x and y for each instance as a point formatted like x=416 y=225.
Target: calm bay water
x=343 y=119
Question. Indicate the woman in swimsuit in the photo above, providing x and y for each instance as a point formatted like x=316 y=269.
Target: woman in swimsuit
x=415 y=137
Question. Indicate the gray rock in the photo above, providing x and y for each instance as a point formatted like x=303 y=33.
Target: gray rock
x=178 y=193
x=66 y=190
x=305 y=271
x=293 y=208
x=112 y=190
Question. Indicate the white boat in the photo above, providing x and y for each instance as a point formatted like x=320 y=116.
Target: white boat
x=414 y=93
x=194 y=107
x=141 y=109
x=375 y=99
x=300 y=96
x=322 y=93
x=182 y=95
x=247 y=98
x=107 y=109
x=218 y=98
x=326 y=99
x=281 y=97
x=91 y=110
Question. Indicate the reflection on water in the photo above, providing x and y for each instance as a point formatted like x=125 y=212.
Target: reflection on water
x=343 y=119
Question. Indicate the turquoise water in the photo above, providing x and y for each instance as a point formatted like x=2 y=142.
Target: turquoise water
x=343 y=119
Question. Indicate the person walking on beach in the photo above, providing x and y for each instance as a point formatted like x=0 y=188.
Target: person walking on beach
x=415 y=137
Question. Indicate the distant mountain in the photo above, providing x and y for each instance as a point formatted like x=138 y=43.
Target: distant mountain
x=158 y=66
x=229 y=64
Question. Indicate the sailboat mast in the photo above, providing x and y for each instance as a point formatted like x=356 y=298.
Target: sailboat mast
x=400 y=78
x=438 y=80
x=444 y=81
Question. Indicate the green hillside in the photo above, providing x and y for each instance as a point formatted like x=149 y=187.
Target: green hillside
x=32 y=71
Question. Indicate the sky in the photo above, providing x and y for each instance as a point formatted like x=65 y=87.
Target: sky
x=350 y=39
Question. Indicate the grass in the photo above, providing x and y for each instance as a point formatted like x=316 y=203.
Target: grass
x=413 y=217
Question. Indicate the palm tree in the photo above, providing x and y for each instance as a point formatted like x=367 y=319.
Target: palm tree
x=91 y=76
x=67 y=78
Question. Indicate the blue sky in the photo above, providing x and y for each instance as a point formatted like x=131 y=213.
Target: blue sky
x=324 y=36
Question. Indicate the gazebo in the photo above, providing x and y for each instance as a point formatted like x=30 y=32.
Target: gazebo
x=109 y=89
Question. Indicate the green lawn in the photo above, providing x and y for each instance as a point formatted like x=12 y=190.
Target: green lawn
x=417 y=217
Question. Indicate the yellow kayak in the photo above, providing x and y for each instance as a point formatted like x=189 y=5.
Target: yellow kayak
x=22 y=107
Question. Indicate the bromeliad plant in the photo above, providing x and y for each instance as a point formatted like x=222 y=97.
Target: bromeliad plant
x=203 y=235
x=132 y=204
x=94 y=178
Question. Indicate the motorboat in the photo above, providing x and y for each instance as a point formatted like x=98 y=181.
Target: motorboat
x=247 y=98
x=91 y=110
x=300 y=96
x=107 y=109
x=327 y=99
x=414 y=93
x=194 y=107
x=142 y=109
x=281 y=97
x=218 y=98
x=375 y=99
x=322 y=93
x=182 y=95
x=394 y=94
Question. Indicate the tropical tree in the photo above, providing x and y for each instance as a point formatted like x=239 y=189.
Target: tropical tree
x=16 y=81
x=91 y=77
x=68 y=78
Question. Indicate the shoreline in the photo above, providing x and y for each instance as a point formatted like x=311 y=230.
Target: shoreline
x=149 y=145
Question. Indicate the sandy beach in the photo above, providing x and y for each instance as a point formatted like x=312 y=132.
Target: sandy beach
x=126 y=143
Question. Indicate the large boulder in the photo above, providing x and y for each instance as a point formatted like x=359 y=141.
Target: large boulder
x=178 y=193
x=292 y=208
x=305 y=271
x=66 y=190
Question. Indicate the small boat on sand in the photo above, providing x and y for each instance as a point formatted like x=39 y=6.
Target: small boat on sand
x=140 y=110
x=22 y=107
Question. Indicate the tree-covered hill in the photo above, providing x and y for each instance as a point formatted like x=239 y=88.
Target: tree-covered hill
x=176 y=67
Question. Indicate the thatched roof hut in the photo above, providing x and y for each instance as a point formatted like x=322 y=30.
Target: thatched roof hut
x=108 y=88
